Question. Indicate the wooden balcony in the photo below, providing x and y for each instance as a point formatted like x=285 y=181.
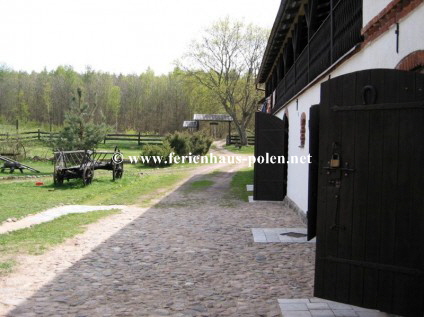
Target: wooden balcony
x=338 y=33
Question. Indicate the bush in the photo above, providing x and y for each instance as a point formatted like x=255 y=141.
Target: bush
x=184 y=143
x=163 y=151
x=180 y=142
x=200 y=144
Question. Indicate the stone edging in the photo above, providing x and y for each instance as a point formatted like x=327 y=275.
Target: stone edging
x=293 y=206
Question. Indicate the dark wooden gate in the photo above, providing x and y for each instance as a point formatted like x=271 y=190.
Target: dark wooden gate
x=370 y=205
x=270 y=180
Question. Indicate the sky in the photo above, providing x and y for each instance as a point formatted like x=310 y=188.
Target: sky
x=125 y=36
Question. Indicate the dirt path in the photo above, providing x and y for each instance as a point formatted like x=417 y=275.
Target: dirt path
x=191 y=254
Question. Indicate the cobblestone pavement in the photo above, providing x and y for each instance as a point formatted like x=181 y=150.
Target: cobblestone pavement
x=192 y=254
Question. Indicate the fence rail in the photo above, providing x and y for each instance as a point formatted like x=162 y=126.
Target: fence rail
x=140 y=138
x=235 y=139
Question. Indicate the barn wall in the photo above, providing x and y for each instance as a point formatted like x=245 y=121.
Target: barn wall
x=380 y=53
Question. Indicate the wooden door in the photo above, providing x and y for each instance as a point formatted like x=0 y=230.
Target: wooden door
x=270 y=180
x=370 y=195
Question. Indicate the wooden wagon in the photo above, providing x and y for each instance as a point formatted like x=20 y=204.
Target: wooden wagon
x=81 y=164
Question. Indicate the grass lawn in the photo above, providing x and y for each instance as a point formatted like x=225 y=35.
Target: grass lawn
x=6 y=266
x=238 y=183
x=248 y=149
x=39 y=238
x=21 y=197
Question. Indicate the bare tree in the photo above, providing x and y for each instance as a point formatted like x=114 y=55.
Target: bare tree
x=226 y=60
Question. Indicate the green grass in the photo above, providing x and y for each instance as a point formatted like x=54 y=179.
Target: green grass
x=6 y=266
x=238 y=183
x=248 y=149
x=201 y=184
x=20 y=198
x=39 y=238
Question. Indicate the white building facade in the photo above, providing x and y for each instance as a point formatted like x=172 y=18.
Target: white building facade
x=362 y=35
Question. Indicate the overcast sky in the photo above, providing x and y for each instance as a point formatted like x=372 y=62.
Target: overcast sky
x=124 y=36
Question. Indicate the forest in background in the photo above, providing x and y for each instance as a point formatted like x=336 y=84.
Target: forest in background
x=145 y=102
x=216 y=75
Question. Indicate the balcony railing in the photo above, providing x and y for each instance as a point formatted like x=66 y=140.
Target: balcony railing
x=339 y=32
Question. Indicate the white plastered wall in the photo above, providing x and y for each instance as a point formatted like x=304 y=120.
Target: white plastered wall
x=381 y=53
x=371 y=8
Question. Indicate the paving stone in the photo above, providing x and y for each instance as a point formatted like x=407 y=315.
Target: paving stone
x=318 y=306
x=293 y=306
x=322 y=313
x=325 y=308
x=293 y=301
x=271 y=235
x=337 y=306
x=319 y=300
x=296 y=313
x=345 y=313
x=258 y=235
x=374 y=313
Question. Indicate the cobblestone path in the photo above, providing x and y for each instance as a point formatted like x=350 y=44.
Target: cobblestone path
x=192 y=254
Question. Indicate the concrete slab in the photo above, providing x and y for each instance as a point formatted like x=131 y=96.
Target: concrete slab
x=282 y=235
x=317 y=307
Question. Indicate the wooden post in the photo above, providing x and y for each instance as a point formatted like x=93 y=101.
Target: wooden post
x=17 y=126
x=139 y=138
x=39 y=137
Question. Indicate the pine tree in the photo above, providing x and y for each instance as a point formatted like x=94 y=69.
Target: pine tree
x=79 y=131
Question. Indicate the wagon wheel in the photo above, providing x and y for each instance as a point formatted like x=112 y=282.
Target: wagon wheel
x=118 y=170
x=87 y=176
x=57 y=179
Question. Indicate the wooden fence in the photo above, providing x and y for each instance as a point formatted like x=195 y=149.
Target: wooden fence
x=235 y=139
x=32 y=135
x=139 y=138
x=47 y=136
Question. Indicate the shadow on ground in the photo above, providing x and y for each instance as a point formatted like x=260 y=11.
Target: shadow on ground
x=192 y=254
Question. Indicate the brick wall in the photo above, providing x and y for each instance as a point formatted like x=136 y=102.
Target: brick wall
x=390 y=15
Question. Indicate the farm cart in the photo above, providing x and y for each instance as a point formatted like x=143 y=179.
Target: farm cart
x=114 y=163
x=82 y=164
x=12 y=165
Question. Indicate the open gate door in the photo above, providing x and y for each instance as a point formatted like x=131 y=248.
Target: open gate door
x=370 y=205
x=270 y=180
x=313 y=171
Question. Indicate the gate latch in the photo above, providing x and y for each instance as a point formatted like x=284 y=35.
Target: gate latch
x=335 y=182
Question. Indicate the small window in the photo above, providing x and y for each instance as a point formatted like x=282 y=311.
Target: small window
x=302 y=130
